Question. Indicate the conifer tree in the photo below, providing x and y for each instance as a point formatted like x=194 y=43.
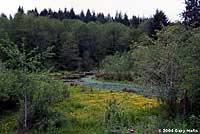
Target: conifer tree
x=82 y=16
x=192 y=13
x=3 y=16
x=158 y=21
x=66 y=14
x=88 y=16
x=20 y=10
x=36 y=12
x=135 y=21
x=118 y=17
x=44 y=12
x=101 y=18
x=93 y=16
x=126 y=20
x=60 y=14
x=72 y=14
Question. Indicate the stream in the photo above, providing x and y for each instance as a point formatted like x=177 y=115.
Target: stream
x=90 y=81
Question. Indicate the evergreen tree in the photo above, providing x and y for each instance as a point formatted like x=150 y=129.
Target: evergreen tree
x=109 y=18
x=66 y=14
x=135 y=21
x=10 y=17
x=60 y=14
x=82 y=16
x=161 y=18
x=36 y=12
x=30 y=12
x=20 y=10
x=68 y=55
x=55 y=15
x=118 y=17
x=3 y=16
x=33 y=12
x=72 y=15
x=125 y=20
x=44 y=12
x=158 y=21
x=50 y=13
x=88 y=16
x=192 y=13
x=101 y=18
x=93 y=16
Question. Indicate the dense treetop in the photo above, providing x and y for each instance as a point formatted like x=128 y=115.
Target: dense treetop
x=79 y=41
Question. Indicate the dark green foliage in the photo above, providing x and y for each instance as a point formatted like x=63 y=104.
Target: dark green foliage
x=101 y=18
x=195 y=121
x=38 y=92
x=69 y=53
x=191 y=14
x=44 y=12
x=8 y=92
x=37 y=31
x=126 y=20
x=192 y=68
x=33 y=12
x=117 y=38
x=19 y=58
x=72 y=15
x=88 y=16
x=158 y=21
x=41 y=92
x=76 y=45
x=170 y=64
x=135 y=21
x=3 y=16
x=82 y=16
x=34 y=93
x=118 y=17
x=20 y=10
x=118 y=67
x=83 y=45
x=5 y=27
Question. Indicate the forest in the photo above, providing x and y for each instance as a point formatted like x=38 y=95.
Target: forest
x=90 y=73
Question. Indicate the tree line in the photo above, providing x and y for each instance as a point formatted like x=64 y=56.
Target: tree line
x=85 y=17
x=77 y=43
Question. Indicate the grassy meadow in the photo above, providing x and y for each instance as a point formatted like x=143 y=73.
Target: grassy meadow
x=84 y=110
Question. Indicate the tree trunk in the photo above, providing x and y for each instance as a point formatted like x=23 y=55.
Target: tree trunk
x=25 y=110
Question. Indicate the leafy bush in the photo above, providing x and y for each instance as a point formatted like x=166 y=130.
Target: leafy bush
x=195 y=122
x=37 y=94
x=8 y=92
x=152 y=124
x=116 y=119
x=118 y=67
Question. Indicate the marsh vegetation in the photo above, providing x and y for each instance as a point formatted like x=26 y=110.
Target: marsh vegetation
x=146 y=73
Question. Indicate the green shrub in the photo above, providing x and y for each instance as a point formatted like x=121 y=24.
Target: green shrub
x=34 y=91
x=118 y=67
x=152 y=124
x=195 y=122
x=38 y=92
x=116 y=119
x=8 y=91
